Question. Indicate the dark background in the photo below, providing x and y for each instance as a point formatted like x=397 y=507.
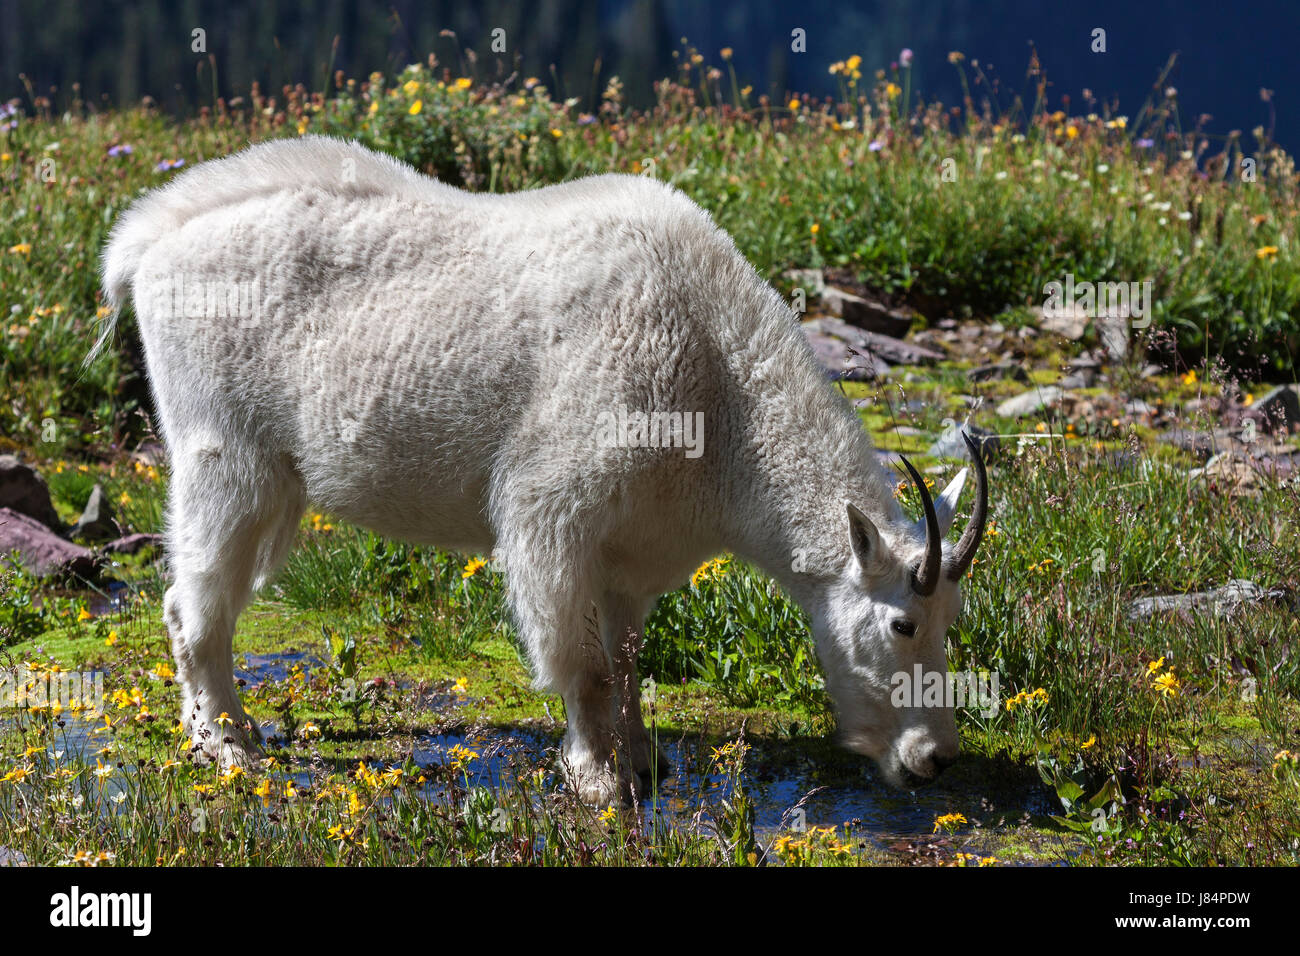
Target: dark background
x=119 y=50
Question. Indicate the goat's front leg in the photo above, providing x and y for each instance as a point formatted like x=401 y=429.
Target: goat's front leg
x=622 y=627
x=591 y=758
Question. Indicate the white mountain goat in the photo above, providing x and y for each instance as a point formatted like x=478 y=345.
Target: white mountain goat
x=517 y=372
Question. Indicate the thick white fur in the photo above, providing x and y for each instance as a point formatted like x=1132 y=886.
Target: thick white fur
x=431 y=364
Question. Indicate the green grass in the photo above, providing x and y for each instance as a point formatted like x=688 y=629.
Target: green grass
x=1203 y=772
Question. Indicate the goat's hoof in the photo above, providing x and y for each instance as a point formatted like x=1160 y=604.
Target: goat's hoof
x=653 y=768
x=228 y=742
x=596 y=783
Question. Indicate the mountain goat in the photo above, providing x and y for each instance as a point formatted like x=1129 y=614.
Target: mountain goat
x=520 y=373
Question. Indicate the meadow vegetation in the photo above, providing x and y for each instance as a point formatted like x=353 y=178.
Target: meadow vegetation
x=1169 y=739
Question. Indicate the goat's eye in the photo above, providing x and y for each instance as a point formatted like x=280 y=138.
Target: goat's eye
x=906 y=628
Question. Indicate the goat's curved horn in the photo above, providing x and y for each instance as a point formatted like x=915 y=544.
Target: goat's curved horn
x=964 y=553
x=926 y=577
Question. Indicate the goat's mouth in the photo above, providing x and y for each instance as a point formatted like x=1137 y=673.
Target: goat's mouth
x=884 y=753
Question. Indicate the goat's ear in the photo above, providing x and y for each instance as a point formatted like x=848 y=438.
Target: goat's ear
x=946 y=506
x=863 y=536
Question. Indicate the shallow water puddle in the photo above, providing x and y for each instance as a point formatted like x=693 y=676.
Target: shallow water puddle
x=273 y=668
x=784 y=801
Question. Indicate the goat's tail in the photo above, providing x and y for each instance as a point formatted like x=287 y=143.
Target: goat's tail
x=128 y=242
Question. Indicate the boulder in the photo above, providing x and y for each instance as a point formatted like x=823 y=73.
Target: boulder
x=833 y=355
x=96 y=522
x=1197 y=441
x=1069 y=321
x=24 y=491
x=1114 y=332
x=42 y=552
x=890 y=350
x=866 y=313
x=1276 y=411
x=997 y=371
x=150 y=453
x=1217 y=602
x=951 y=445
x=1031 y=402
x=131 y=543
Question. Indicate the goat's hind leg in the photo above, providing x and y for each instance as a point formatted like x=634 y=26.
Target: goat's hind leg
x=222 y=507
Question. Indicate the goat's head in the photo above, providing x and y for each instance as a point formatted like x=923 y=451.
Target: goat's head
x=884 y=621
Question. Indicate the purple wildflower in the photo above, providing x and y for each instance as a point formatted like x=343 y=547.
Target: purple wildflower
x=1145 y=143
x=905 y=58
x=875 y=146
x=122 y=149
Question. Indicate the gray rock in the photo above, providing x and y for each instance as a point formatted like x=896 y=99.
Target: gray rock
x=1069 y=322
x=132 y=543
x=1218 y=602
x=1197 y=442
x=150 y=453
x=42 y=552
x=1031 y=402
x=97 y=520
x=997 y=371
x=834 y=356
x=1074 y=380
x=1139 y=407
x=1084 y=369
x=23 y=490
x=890 y=350
x=1277 y=411
x=951 y=445
x=1113 y=330
x=866 y=314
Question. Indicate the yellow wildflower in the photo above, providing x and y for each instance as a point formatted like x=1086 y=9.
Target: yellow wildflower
x=949 y=821
x=1168 y=684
